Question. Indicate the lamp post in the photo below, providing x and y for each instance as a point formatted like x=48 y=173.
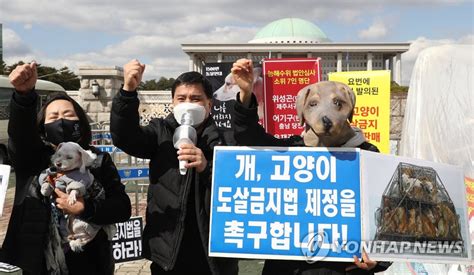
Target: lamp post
x=95 y=88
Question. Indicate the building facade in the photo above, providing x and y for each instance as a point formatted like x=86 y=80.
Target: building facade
x=297 y=38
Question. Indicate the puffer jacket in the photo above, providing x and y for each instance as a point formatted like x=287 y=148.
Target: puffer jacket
x=171 y=211
x=28 y=231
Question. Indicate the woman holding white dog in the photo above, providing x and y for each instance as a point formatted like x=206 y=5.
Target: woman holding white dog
x=33 y=139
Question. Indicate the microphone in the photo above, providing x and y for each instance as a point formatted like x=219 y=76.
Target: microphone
x=184 y=134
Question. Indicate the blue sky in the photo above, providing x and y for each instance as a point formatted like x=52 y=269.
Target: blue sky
x=86 y=32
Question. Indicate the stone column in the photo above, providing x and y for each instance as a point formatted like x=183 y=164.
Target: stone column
x=339 y=62
x=191 y=62
x=370 y=57
x=110 y=80
x=391 y=68
x=198 y=65
x=398 y=69
x=249 y=55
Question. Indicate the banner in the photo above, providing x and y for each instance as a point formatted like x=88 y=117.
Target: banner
x=224 y=94
x=278 y=202
x=4 y=180
x=372 y=110
x=223 y=97
x=283 y=79
x=127 y=242
x=311 y=204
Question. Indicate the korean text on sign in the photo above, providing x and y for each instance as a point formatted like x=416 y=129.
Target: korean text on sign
x=127 y=242
x=276 y=202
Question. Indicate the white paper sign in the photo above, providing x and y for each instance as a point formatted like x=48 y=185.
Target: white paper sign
x=4 y=177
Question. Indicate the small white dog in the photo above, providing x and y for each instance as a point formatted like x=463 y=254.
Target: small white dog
x=70 y=175
x=69 y=171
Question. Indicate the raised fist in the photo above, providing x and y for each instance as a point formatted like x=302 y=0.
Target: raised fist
x=242 y=71
x=24 y=77
x=132 y=73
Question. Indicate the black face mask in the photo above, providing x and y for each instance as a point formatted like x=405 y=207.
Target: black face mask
x=62 y=130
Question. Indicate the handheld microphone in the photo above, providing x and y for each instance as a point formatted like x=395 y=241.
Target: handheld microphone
x=184 y=134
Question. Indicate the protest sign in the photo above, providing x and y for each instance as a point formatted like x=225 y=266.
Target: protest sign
x=310 y=203
x=372 y=110
x=283 y=79
x=271 y=203
x=127 y=242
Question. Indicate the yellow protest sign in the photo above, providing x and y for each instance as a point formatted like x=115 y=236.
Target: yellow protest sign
x=372 y=110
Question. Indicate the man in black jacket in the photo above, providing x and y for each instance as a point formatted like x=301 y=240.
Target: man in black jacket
x=249 y=132
x=176 y=234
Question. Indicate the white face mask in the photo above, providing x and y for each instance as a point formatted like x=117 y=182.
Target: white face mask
x=189 y=114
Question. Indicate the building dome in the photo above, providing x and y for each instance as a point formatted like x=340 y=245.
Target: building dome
x=290 y=31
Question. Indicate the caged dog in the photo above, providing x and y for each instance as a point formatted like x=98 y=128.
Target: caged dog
x=71 y=175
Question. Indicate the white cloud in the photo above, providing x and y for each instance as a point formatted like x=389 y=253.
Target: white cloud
x=162 y=54
x=421 y=43
x=179 y=18
x=226 y=34
x=349 y=15
x=14 y=47
x=376 y=31
x=468 y=39
x=161 y=17
x=153 y=30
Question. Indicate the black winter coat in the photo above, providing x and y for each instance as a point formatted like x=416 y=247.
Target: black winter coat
x=248 y=132
x=178 y=206
x=27 y=233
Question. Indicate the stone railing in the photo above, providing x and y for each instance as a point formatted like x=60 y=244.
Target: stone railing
x=154 y=104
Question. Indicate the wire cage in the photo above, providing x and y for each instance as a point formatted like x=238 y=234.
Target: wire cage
x=415 y=206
